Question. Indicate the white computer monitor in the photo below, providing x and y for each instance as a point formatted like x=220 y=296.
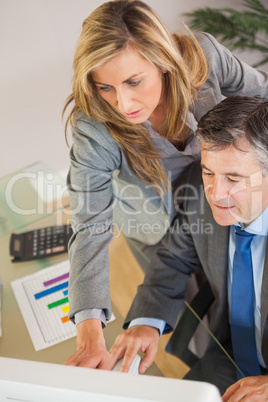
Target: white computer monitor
x=23 y=380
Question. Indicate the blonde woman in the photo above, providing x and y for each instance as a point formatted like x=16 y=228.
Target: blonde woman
x=138 y=92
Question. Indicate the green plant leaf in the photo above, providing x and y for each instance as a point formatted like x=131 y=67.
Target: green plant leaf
x=257 y=6
x=244 y=30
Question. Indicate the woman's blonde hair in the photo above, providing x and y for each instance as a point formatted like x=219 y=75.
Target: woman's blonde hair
x=106 y=33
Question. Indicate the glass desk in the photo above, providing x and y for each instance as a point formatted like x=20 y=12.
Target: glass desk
x=30 y=194
x=15 y=341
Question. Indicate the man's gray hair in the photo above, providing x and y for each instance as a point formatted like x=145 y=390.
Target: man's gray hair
x=233 y=119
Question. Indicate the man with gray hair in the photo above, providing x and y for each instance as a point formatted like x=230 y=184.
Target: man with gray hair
x=232 y=254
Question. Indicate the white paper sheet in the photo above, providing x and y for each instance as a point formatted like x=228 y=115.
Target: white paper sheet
x=43 y=301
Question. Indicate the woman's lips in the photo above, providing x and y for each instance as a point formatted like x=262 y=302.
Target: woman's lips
x=135 y=114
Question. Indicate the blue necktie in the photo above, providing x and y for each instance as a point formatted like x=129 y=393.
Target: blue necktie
x=242 y=309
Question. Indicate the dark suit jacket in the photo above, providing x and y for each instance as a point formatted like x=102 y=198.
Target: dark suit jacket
x=194 y=242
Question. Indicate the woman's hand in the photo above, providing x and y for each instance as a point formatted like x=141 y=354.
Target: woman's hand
x=249 y=389
x=91 y=349
x=127 y=344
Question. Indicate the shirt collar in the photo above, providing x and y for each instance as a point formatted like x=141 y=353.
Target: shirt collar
x=259 y=226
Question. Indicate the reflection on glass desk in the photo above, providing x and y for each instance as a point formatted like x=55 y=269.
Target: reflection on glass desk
x=36 y=198
x=28 y=195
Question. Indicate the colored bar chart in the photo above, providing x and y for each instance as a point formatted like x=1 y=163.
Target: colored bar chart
x=57 y=279
x=51 y=290
x=44 y=304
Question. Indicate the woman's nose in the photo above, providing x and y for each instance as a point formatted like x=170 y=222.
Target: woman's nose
x=123 y=102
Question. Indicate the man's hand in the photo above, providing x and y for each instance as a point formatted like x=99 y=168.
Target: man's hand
x=91 y=350
x=249 y=389
x=127 y=344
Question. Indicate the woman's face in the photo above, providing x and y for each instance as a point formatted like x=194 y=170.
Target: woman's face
x=131 y=84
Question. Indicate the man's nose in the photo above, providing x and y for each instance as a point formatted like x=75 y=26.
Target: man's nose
x=218 y=190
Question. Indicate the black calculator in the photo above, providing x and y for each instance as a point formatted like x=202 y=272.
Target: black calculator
x=40 y=243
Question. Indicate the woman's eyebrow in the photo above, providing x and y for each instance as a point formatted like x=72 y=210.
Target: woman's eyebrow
x=108 y=85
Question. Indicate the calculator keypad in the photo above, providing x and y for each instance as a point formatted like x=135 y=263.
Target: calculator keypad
x=49 y=241
x=42 y=242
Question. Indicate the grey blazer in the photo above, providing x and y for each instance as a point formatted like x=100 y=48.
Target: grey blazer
x=101 y=184
x=194 y=243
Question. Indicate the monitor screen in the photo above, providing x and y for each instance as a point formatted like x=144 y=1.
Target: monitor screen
x=23 y=380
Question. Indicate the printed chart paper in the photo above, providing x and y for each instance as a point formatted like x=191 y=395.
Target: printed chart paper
x=43 y=301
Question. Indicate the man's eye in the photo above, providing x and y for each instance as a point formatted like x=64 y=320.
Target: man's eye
x=233 y=180
x=207 y=174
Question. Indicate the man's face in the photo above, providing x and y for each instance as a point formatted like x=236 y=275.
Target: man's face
x=235 y=187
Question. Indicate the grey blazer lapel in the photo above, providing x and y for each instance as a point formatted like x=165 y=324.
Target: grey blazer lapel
x=264 y=309
x=217 y=274
x=218 y=243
